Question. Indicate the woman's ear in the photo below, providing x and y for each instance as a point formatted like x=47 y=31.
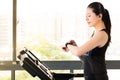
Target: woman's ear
x=100 y=16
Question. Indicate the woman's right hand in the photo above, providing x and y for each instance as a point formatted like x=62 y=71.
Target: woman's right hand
x=72 y=42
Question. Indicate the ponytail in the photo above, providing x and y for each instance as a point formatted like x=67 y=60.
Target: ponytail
x=107 y=22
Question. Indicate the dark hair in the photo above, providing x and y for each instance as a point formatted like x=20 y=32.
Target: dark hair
x=98 y=8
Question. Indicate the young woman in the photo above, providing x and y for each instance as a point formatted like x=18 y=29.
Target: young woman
x=93 y=51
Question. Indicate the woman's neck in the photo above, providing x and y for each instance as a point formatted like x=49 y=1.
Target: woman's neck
x=100 y=26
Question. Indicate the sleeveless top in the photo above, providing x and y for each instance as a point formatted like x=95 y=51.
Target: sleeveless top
x=94 y=60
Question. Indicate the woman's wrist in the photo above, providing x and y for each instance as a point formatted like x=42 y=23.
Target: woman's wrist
x=66 y=45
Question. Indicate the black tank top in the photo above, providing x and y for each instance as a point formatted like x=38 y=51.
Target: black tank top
x=94 y=60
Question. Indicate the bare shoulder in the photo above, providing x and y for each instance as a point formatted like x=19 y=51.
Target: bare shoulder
x=100 y=34
x=101 y=37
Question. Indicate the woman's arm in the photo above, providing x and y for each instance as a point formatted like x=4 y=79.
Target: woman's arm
x=98 y=40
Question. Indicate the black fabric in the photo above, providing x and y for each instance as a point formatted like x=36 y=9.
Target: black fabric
x=94 y=63
x=96 y=77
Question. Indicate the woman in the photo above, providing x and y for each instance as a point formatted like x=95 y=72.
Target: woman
x=94 y=49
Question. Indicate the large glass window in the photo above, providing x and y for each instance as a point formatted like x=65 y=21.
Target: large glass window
x=43 y=26
x=5 y=30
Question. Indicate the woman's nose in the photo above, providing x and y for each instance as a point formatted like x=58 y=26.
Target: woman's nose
x=86 y=19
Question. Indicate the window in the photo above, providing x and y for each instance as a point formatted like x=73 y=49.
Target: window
x=5 y=30
x=54 y=22
x=44 y=25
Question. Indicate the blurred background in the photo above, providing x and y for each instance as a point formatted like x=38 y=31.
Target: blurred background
x=43 y=26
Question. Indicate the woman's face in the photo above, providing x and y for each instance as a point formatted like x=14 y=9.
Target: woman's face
x=91 y=18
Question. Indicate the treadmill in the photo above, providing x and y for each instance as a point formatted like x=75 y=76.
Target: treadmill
x=35 y=67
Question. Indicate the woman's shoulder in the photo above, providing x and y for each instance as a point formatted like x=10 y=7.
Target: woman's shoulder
x=101 y=36
x=102 y=32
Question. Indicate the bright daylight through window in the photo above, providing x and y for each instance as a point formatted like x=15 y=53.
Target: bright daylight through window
x=54 y=22
x=43 y=26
